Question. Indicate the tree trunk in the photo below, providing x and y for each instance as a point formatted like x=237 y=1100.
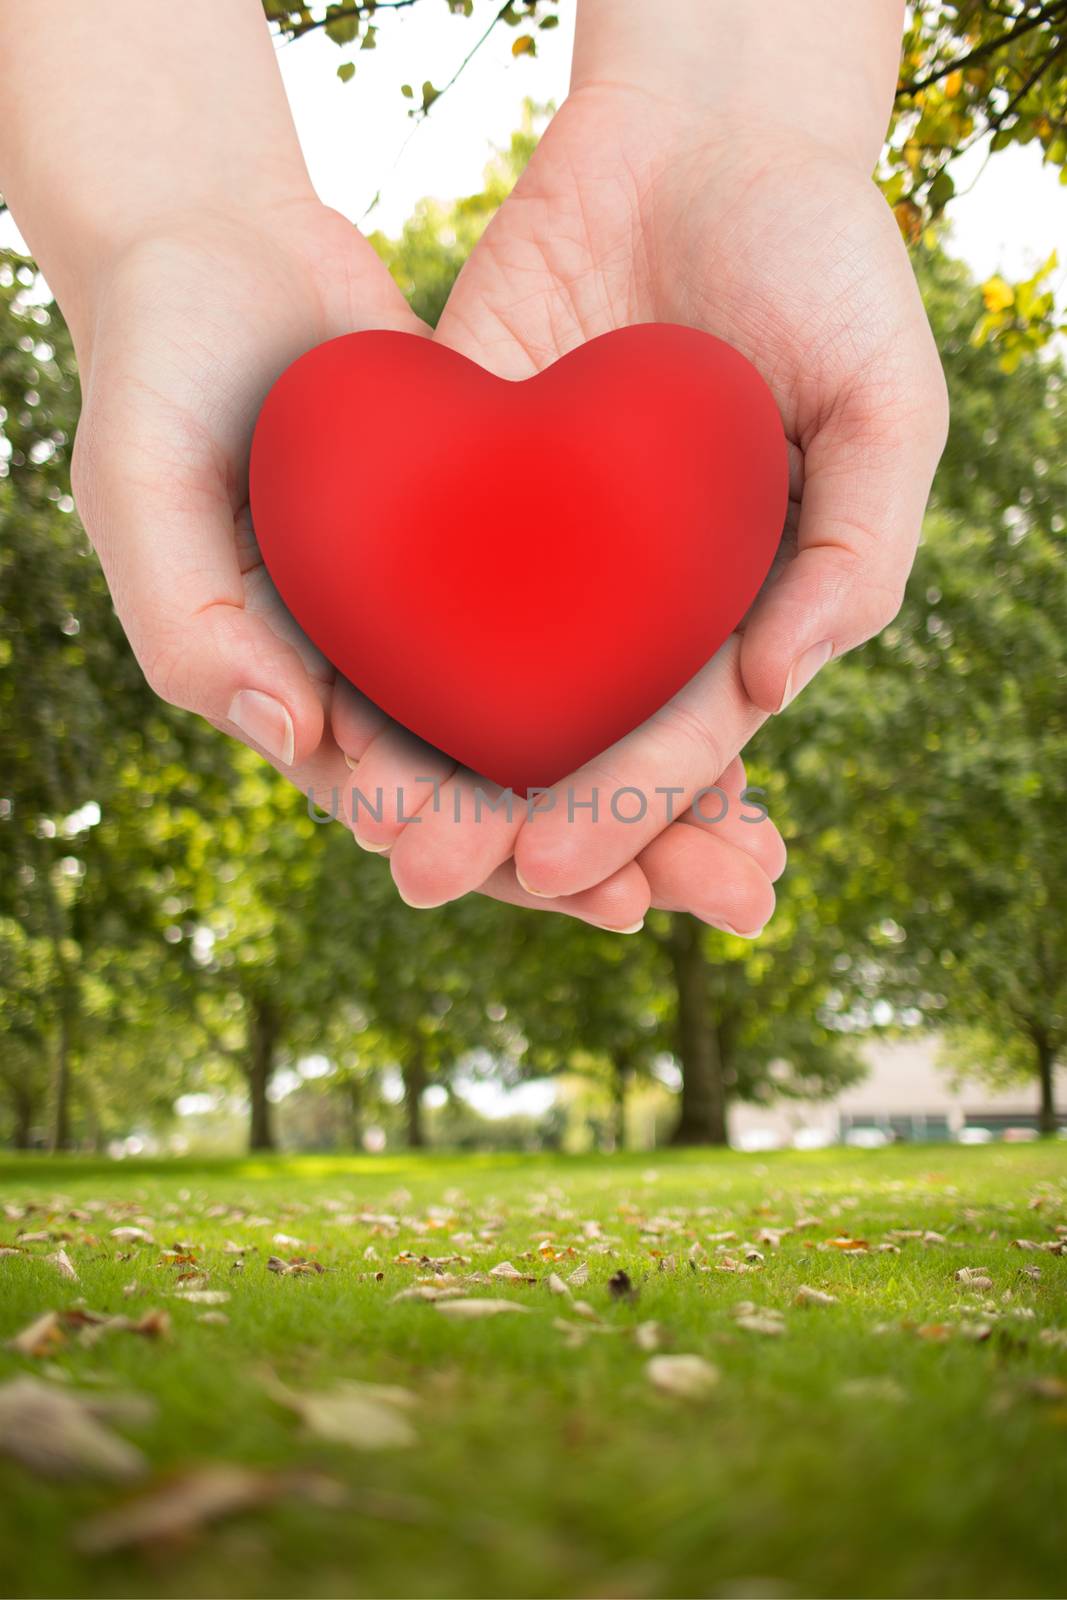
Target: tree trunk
x=354 y=1098
x=60 y=1139
x=1046 y=1069
x=262 y=1043
x=23 y=1131
x=620 y=1083
x=414 y=1084
x=703 y=1113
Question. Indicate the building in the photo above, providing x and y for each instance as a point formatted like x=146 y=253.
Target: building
x=906 y=1095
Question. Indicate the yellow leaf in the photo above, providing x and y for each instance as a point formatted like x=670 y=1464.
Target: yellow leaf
x=524 y=46
x=997 y=294
x=953 y=84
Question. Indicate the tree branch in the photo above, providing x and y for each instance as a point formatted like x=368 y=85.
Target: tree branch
x=1049 y=13
x=367 y=9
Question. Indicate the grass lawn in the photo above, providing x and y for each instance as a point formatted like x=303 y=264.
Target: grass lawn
x=908 y=1439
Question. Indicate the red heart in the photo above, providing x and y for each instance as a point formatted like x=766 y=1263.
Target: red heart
x=520 y=573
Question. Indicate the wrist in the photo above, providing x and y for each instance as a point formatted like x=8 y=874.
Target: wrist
x=827 y=69
x=100 y=270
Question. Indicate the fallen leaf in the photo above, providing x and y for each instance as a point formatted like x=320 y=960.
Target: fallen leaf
x=215 y=1319
x=367 y=1416
x=620 y=1286
x=468 y=1310
x=176 y=1508
x=580 y=1276
x=63 y=1265
x=40 y=1337
x=132 y=1236
x=648 y=1336
x=973 y=1277
x=54 y=1432
x=872 y=1389
x=505 y=1270
x=935 y=1332
x=763 y=1322
x=556 y=1285
x=807 y=1296
x=203 y=1297
x=687 y=1377
x=847 y=1244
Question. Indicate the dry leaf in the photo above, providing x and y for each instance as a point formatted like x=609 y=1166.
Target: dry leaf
x=214 y=1319
x=556 y=1285
x=872 y=1389
x=55 y=1432
x=807 y=1296
x=469 y=1310
x=974 y=1278
x=41 y=1337
x=176 y=1508
x=505 y=1270
x=203 y=1297
x=847 y=1244
x=687 y=1377
x=580 y=1276
x=648 y=1336
x=63 y=1265
x=367 y=1416
x=620 y=1287
x=763 y=1322
x=132 y=1236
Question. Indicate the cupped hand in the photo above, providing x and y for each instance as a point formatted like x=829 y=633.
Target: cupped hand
x=635 y=208
x=191 y=326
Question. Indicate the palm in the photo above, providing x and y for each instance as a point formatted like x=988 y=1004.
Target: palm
x=631 y=211
x=194 y=331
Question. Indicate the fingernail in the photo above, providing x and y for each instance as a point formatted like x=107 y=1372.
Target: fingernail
x=724 y=927
x=804 y=669
x=418 y=905
x=542 y=894
x=266 y=722
x=634 y=927
x=372 y=849
x=351 y=762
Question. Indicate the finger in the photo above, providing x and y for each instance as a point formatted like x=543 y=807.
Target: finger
x=161 y=517
x=690 y=869
x=736 y=813
x=867 y=476
x=397 y=775
x=462 y=834
x=582 y=835
x=618 y=905
x=355 y=721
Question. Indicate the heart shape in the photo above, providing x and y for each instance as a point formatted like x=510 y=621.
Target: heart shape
x=520 y=572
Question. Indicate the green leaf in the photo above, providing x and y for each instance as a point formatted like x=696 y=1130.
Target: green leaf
x=346 y=70
x=342 y=29
x=548 y=22
x=370 y=38
x=407 y=91
x=941 y=190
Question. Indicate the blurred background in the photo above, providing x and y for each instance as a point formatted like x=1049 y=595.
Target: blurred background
x=190 y=961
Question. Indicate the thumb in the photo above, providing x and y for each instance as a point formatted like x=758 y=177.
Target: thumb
x=184 y=586
x=867 y=476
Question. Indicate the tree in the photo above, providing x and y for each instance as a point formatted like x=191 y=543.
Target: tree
x=950 y=730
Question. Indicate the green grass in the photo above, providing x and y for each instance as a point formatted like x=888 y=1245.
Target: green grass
x=547 y=1470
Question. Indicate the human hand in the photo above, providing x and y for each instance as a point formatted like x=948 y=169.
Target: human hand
x=190 y=328
x=638 y=208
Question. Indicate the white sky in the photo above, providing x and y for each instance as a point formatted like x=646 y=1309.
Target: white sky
x=358 y=139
